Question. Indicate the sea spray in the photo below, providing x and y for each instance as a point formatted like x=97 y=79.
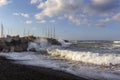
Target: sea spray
x=64 y=44
x=42 y=42
x=38 y=44
x=46 y=44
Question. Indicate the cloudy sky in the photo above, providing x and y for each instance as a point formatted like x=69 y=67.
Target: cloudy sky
x=72 y=19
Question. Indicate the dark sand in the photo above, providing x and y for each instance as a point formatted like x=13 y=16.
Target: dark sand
x=11 y=71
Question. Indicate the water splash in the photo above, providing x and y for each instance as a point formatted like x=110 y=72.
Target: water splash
x=44 y=44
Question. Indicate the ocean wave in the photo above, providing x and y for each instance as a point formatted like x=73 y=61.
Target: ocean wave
x=69 y=54
x=87 y=57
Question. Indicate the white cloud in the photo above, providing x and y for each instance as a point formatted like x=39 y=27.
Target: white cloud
x=42 y=21
x=22 y=14
x=52 y=8
x=60 y=18
x=34 y=28
x=35 y=1
x=52 y=21
x=55 y=7
x=16 y=14
x=116 y=17
x=25 y=15
x=104 y=5
x=79 y=11
x=102 y=2
x=28 y=22
x=3 y=2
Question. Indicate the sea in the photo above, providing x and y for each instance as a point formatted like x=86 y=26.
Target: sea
x=91 y=59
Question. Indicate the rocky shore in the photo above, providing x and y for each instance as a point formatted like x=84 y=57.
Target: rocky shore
x=20 y=44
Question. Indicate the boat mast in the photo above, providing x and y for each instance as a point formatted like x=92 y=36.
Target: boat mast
x=54 y=35
x=2 y=31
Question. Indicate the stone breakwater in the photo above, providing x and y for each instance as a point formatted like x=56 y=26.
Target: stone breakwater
x=20 y=44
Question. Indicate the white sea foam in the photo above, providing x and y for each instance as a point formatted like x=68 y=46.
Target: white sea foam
x=116 y=45
x=87 y=57
x=116 y=42
x=90 y=72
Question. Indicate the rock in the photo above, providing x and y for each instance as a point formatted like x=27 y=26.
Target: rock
x=33 y=50
x=66 y=40
x=24 y=47
x=12 y=49
x=24 y=40
x=2 y=43
x=53 y=41
x=18 y=49
x=20 y=44
x=2 y=58
x=8 y=39
x=31 y=38
x=0 y=48
x=5 y=50
x=43 y=52
x=16 y=38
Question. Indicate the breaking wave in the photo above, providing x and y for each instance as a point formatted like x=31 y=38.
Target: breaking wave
x=87 y=57
x=69 y=54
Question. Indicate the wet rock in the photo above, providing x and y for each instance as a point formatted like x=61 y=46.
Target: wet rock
x=6 y=50
x=24 y=40
x=18 y=49
x=8 y=39
x=20 y=44
x=66 y=40
x=43 y=52
x=33 y=50
x=53 y=41
x=14 y=43
x=16 y=38
x=31 y=38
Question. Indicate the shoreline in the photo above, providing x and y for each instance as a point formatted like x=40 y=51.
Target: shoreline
x=12 y=71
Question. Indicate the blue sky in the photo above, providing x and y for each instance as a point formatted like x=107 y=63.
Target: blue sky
x=72 y=19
